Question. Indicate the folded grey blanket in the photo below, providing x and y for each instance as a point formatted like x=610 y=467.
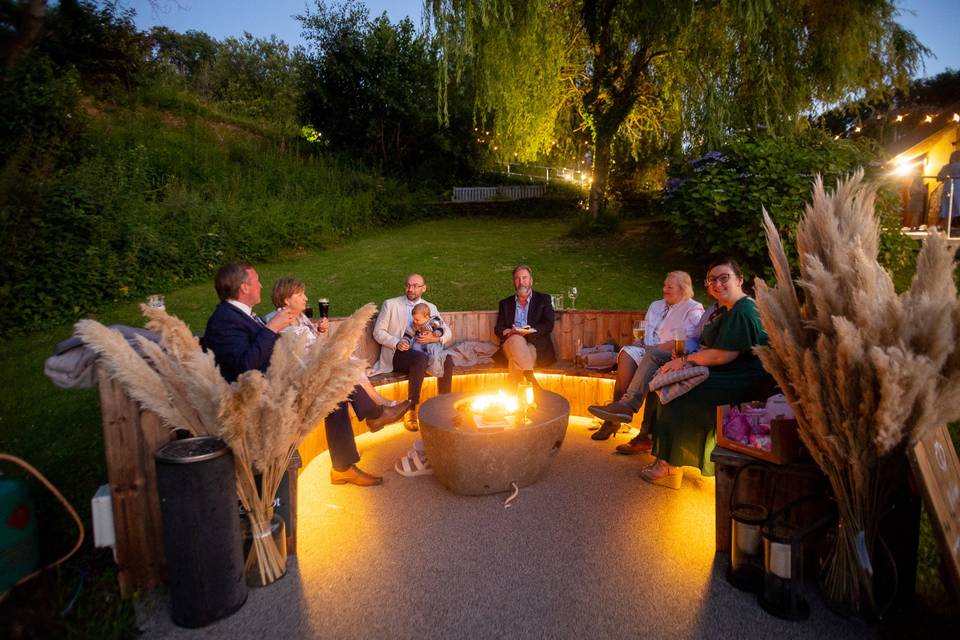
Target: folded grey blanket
x=72 y=365
x=470 y=353
x=674 y=384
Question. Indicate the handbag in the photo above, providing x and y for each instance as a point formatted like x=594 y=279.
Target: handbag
x=673 y=384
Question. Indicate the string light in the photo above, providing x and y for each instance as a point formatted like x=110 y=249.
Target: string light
x=900 y=118
x=928 y=119
x=956 y=117
x=857 y=130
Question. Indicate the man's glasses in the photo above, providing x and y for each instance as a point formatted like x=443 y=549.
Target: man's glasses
x=720 y=279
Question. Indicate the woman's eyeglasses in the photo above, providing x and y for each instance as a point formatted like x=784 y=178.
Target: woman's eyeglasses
x=720 y=279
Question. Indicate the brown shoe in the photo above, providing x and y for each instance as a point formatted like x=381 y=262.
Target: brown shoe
x=354 y=475
x=410 y=420
x=389 y=415
x=642 y=444
x=614 y=412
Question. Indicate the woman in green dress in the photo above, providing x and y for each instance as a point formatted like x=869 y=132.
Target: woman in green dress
x=684 y=429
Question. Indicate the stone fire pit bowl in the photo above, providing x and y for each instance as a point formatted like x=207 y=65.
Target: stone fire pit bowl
x=471 y=461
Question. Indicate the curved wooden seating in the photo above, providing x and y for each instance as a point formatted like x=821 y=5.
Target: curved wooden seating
x=131 y=435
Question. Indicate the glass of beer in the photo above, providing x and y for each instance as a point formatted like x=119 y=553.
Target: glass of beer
x=323 y=305
x=308 y=311
x=639 y=330
x=156 y=301
x=679 y=348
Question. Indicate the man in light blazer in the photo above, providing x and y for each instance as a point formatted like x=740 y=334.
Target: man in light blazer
x=525 y=327
x=396 y=355
x=241 y=341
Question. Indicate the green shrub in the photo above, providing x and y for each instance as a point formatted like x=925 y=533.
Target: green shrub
x=40 y=114
x=159 y=198
x=714 y=203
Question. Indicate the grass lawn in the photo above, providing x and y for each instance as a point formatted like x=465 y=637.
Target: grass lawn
x=466 y=263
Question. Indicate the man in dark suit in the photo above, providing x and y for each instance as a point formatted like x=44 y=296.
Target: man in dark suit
x=525 y=324
x=241 y=342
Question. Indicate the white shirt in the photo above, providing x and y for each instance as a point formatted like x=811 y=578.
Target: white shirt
x=239 y=305
x=663 y=321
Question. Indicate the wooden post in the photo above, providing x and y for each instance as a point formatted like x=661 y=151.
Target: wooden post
x=130 y=436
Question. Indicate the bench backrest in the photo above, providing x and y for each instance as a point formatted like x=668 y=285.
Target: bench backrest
x=591 y=327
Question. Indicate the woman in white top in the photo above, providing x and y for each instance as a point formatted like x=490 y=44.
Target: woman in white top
x=676 y=314
x=291 y=293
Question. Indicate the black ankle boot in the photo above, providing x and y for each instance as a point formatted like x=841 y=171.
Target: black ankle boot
x=606 y=430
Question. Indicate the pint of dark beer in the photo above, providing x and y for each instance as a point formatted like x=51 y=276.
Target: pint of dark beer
x=323 y=305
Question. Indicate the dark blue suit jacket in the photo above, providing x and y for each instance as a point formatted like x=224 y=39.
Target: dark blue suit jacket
x=239 y=343
x=539 y=316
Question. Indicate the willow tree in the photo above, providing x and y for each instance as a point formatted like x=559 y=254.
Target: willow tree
x=649 y=71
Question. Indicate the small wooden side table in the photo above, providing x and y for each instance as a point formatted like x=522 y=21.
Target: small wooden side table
x=794 y=481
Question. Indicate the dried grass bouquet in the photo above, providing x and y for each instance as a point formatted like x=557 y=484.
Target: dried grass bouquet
x=866 y=370
x=262 y=417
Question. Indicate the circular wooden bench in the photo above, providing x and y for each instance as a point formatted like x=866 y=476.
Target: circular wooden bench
x=131 y=435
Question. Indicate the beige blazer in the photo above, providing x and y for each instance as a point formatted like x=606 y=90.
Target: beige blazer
x=390 y=325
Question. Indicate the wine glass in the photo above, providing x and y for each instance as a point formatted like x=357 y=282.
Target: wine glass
x=639 y=330
x=572 y=294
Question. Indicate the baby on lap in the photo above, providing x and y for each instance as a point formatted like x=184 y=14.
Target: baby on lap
x=422 y=324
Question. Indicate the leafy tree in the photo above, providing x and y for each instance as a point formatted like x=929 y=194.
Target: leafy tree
x=189 y=54
x=257 y=77
x=369 y=87
x=936 y=92
x=686 y=71
x=254 y=77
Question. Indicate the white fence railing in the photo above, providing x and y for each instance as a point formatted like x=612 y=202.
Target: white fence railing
x=482 y=194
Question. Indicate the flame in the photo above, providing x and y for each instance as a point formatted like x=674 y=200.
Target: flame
x=497 y=403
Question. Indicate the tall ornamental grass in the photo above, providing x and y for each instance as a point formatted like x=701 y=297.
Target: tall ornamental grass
x=867 y=371
x=263 y=417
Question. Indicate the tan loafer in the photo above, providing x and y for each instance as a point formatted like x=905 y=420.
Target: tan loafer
x=411 y=421
x=354 y=475
x=389 y=415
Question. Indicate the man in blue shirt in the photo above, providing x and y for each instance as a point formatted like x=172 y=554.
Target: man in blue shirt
x=525 y=327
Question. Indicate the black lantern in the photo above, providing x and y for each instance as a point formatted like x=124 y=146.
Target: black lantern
x=746 y=550
x=782 y=593
x=746 y=544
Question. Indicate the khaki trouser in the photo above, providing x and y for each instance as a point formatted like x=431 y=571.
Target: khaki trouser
x=521 y=355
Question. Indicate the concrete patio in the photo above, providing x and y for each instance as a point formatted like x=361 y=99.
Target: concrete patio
x=589 y=551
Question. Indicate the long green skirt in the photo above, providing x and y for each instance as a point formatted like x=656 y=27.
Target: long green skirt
x=684 y=430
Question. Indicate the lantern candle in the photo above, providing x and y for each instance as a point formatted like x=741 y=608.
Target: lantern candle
x=779 y=559
x=748 y=537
